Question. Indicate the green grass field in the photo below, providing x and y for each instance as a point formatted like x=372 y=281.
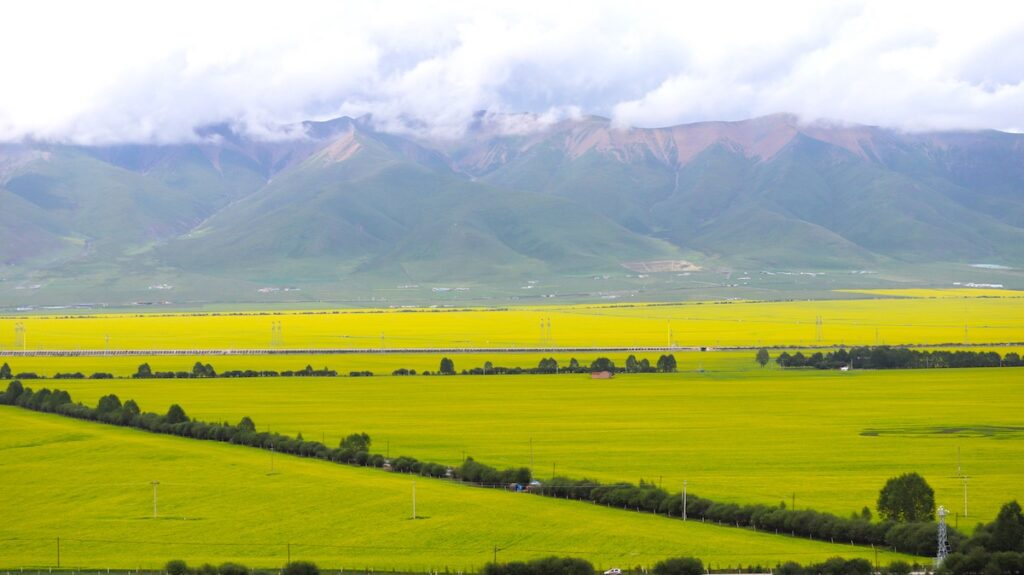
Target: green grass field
x=89 y=484
x=756 y=436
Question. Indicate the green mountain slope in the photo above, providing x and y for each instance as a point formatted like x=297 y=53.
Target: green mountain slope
x=337 y=199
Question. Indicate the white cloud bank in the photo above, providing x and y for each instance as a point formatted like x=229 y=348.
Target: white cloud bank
x=98 y=72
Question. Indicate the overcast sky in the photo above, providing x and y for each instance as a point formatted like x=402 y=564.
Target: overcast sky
x=152 y=71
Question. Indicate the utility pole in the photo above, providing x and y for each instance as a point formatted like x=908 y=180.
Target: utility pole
x=965 y=478
x=684 y=499
x=155 y=484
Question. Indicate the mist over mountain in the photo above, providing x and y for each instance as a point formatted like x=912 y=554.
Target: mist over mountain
x=341 y=199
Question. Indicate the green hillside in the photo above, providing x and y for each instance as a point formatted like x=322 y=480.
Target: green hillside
x=342 y=204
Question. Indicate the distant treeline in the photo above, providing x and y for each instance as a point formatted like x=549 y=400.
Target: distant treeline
x=917 y=538
x=886 y=357
x=179 y=567
x=694 y=566
x=200 y=370
x=665 y=364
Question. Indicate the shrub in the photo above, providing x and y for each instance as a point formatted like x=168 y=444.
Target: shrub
x=232 y=569
x=300 y=568
x=176 y=567
x=679 y=566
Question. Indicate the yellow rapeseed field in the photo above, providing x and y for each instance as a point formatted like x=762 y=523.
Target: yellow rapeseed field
x=905 y=320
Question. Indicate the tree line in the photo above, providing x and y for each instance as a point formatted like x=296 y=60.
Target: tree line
x=694 y=566
x=886 y=357
x=549 y=365
x=179 y=567
x=910 y=534
x=915 y=537
x=665 y=364
x=200 y=370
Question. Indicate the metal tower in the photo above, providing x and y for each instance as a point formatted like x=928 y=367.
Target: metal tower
x=19 y=335
x=943 y=545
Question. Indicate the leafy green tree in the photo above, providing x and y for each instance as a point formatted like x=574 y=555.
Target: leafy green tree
x=176 y=567
x=631 y=364
x=907 y=498
x=107 y=404
x=1008 y=529
x=14 y=389
x=246 y=424
x=175 y=414
x=573 y=364
x=131 y=408
x=679 y=566
x=232 y=569
x=667 y=363
x=300 y=568
x=762 y=357
x=447 y=366
x=602 y=364
x=789 y=568
x=356 y=442
x=143 y=371
x=5 y=371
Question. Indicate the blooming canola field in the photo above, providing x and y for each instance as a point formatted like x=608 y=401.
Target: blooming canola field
x=956 y=319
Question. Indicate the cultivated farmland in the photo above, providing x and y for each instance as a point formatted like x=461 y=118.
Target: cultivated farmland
x=759 y=436
x=89 y=485
x=916 y=320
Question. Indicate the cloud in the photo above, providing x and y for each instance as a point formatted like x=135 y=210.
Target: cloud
x=153 y=72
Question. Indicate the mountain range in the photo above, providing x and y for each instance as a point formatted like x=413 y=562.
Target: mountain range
x=514 y=198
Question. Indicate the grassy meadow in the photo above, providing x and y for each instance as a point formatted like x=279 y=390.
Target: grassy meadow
x=758 y=436
x=89 y=484
x=904 y=320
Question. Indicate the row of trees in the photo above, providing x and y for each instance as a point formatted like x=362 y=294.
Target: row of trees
x=694 y=566
x=665 y=364
x=886 y=357
x=179 y=567
x=200 y=370
x=913 y=537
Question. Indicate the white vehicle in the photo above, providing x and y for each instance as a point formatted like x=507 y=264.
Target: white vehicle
x=613 y=571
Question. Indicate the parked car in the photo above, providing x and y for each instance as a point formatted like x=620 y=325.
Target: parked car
x=613 y=571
